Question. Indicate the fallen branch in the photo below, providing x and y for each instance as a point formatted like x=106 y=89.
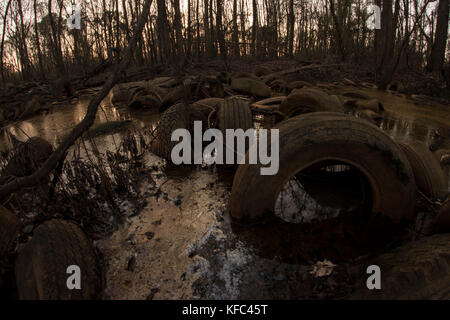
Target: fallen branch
x=88 y=120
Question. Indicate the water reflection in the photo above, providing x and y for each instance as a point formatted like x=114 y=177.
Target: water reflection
x=55 y=125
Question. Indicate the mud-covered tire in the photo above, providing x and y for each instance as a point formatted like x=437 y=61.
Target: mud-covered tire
x=418 y=270
x=42 y=264
x=428 y=174
x=234 y=114
x=312 y=138
x=28 y=157
x=208 y=105
x=310 y=100
x=179 y=116
x=9 y=230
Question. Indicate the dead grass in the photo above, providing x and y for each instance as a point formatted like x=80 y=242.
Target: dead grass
x=97 y=190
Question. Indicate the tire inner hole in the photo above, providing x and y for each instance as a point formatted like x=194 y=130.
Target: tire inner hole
x=324 y=191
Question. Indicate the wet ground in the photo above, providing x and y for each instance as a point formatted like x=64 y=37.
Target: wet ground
x=183 y=244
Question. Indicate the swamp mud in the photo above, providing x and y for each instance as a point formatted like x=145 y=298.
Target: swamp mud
x=169 y=232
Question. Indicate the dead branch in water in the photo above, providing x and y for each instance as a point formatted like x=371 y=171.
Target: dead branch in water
x=88 y=120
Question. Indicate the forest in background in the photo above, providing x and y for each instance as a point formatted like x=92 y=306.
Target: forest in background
x=37 y=45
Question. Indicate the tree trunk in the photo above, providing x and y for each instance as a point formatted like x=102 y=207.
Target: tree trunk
x=255 y=28
x=220 y=31
x=61 y=69
x=436 y=61
x=163 y=31
x=338 y=29
x=178 y=32
x=291 y=22
x=38 y=42
x=235 y=37
x=208 y=44
x=3 y=41
x=385 y=57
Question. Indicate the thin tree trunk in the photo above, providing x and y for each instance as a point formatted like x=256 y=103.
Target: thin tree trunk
x=337 y=27
x=163 y=31
x=235 y=37
x=220 y=32
x=178 y=30
x=38 y=42
x=290 y=27
x=255 y=28
x=436 y=61
x=3 y=41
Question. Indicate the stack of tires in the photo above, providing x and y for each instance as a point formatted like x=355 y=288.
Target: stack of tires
x=224 y=114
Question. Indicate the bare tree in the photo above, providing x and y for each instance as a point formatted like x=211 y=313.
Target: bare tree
x=437 y=57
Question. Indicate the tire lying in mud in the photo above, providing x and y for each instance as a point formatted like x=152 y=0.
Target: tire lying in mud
x=199 y=88
x=234 y=114
x=42 y=263
x=417 y=270
x=28 y=157
x=314 y=138
x=251 y=86
x=144 y=97
x=298 y=85
x=179 y=116
x=428 y=174
x=307 y=100
x=270 y=103
x=206 y=106
x=9 y=230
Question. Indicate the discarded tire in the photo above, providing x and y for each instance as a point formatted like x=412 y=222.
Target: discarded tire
x=9 y=230
x=251 y=86
x=302 y=101
x=29 y=156
x=428 y=174
x=298 y=85
x=41 y=266
x=270 y=103
x=206 y=106
x=417 y=270
x=317 y=137
x=199 y=88
x=234 y=114
x=179 y=116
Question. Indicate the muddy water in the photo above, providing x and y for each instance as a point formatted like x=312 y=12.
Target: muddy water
x=61 y=118
x=414 y=116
